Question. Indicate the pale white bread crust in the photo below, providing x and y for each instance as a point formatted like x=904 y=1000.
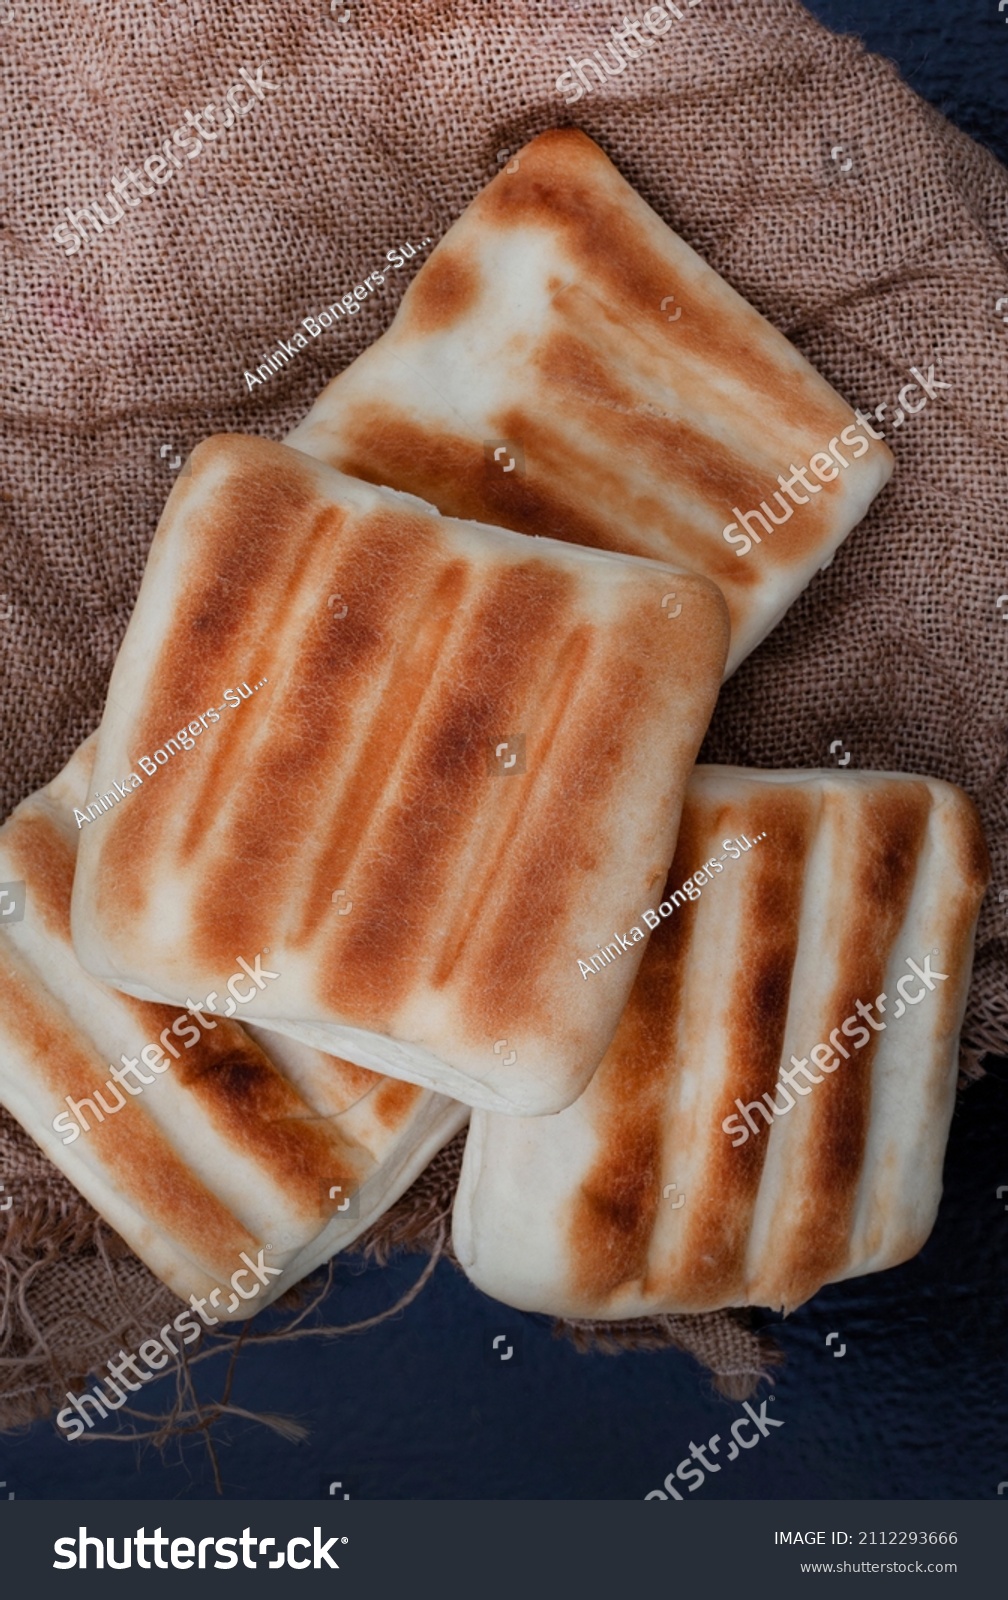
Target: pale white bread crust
x=635 y=1200
x=234 y=1147
x=642 y=402
x=424 y=909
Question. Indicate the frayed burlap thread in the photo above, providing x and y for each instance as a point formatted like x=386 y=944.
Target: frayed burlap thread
x=71 y=1294
x=70 y=1291
x=722 y=1341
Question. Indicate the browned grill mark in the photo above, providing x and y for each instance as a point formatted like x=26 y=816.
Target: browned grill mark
x=515 y=801
x=672 y=451
x=451 y=473
x=504 y=971
x=154 y=1018
x=43 y=858
x=395 y=1100
x=252 y=539
x=585 y=395
x=968 y=848
x=380 y=746
x=884 y=859
x=611 y=1220
x=970 y=845
x=312 y=720
x=347 y=1085
x=612 y=1214
x=578 y=404
x=565 y=184
x=757 y=1006
x=259 y=1114
x=380 y=447
x=571 y=457
x=509 y=965
x=660 y=486
x=413 y=848
x=247 y=541
x=644 y=524
x=314 y=548
x=137 y=1159
x=446 y=290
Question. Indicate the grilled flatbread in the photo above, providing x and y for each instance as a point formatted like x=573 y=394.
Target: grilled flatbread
x=454 y=758
x=564 y=364
x=212 y=1144
x=690 y=1176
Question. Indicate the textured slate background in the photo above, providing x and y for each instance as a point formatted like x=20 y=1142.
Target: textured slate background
x=916 y=1407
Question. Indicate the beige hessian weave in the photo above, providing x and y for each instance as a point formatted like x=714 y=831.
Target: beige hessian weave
x=378 y=131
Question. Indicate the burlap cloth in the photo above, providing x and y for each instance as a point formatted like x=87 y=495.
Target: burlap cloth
x=838 y=203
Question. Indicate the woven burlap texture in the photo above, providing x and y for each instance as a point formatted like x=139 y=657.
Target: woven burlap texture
x=852 y=215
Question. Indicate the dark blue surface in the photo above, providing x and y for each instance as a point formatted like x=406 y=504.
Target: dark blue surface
x=916 y=1407
x=953 y=52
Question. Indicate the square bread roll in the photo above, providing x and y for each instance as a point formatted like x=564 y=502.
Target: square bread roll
x=692 y=1175
x=205 y=1148
x=436 y=762
x=636 y=401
